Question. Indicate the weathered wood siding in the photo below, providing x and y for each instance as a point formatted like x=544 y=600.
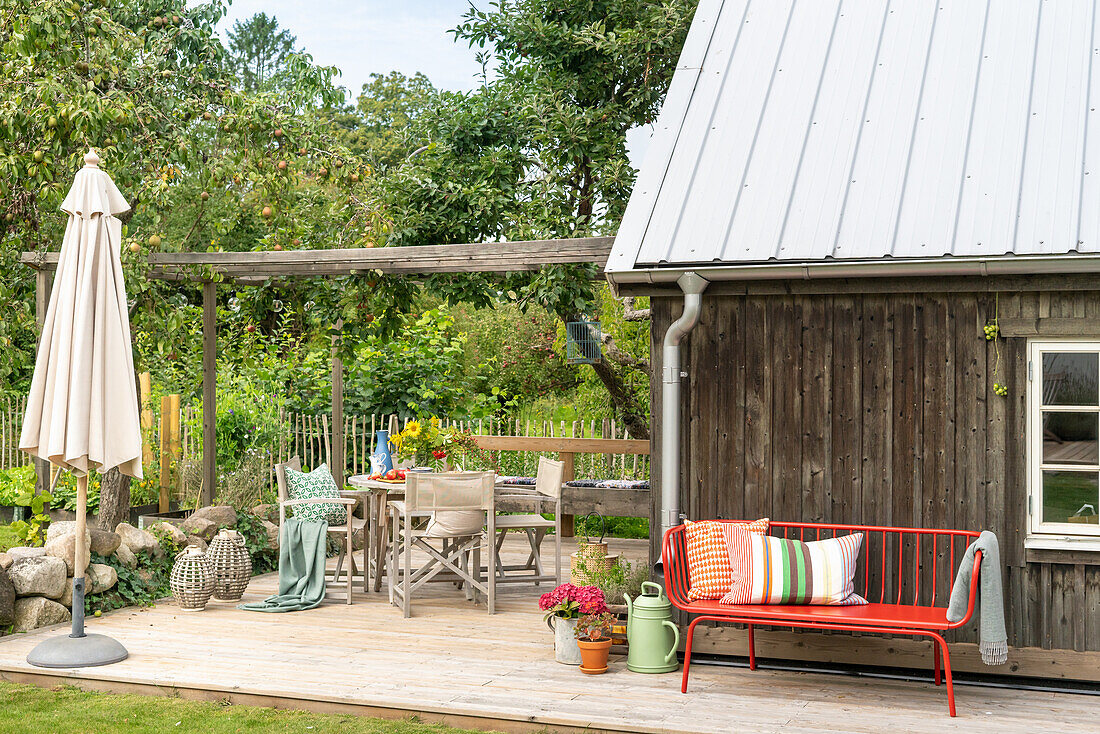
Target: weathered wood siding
x=878 y=408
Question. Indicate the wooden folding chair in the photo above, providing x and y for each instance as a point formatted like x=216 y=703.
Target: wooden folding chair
x=547 y=491
x=344 y=533
x=459 y=506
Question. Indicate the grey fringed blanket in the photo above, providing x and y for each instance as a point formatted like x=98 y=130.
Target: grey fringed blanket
x=993 y=641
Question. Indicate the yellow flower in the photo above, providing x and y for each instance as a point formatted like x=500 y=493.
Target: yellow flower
x=412 y=428
x=436 y=422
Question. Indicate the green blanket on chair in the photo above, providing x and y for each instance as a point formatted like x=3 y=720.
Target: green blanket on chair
x=301 y=568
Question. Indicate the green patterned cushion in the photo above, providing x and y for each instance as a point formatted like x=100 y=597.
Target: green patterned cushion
x=317 y=483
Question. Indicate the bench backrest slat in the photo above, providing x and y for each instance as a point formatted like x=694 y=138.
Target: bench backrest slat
x=913 y=566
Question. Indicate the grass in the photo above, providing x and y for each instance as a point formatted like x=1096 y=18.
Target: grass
x=29 y=709
x=8 y=538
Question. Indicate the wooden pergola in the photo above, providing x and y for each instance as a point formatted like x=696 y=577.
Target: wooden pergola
x=254 y=268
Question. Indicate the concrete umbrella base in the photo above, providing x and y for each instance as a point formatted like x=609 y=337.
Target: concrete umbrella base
x=77 y=652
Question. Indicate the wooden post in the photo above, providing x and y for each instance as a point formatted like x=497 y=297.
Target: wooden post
x=165 y=452
x=209 y=391
x=43 y=282
x=145 y=394
x=568 y=475
x=338 y=465
x=174 y=448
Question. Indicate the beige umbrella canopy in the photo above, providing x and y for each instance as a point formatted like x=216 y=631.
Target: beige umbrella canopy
x=82 y=411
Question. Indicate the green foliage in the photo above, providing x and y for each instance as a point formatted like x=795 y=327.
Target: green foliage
x=141 y=586
x=16 y=482
x=381 y=125
x=33 y=530
x=8 y=538
x=264 y=558
x=259 y=51
x=620 y=580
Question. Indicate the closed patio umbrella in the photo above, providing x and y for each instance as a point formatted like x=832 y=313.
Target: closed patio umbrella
x=82 y=411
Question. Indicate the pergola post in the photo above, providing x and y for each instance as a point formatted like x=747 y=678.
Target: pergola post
x=338 y=467
x=43 y=286
x=209 y=393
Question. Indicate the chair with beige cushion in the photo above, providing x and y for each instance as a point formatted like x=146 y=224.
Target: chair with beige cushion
x=546 y=493
x=344 y=533
x=449 y=517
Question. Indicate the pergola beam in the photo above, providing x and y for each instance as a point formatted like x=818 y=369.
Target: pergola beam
x=488 y=257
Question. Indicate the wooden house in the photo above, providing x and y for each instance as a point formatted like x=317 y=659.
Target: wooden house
x=850 y=198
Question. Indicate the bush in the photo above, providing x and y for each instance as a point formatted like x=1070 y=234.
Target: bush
x=621 y=580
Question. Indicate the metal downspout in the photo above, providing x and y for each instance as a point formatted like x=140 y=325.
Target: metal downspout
x=693 y=286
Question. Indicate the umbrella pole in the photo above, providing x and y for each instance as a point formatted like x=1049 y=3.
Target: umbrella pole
x=78 y=650
x=80 y=559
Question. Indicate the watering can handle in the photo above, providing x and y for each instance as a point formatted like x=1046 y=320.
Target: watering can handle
x=675 y=640
x=654 y=585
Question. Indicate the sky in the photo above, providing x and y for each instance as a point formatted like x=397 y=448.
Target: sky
x=365 y=36
x=361 y=37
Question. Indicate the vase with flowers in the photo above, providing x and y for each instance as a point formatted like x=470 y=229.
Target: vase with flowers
x=564 y=606
x=429 y=443
x=593 y=633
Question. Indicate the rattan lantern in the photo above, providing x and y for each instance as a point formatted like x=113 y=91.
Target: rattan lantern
x=192 y=580
x=232 y=566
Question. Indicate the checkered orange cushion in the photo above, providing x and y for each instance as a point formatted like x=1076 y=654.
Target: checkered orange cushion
x=709 y=568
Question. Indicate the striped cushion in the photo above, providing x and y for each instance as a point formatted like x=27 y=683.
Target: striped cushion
x=708 y=555
x=770 y=570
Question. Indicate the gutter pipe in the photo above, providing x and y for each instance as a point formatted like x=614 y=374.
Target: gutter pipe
x=693 y=286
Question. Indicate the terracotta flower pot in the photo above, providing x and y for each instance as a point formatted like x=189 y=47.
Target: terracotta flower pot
x=594 y=655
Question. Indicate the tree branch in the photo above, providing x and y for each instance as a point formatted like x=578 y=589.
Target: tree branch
x=634 y=314
x=612 y=352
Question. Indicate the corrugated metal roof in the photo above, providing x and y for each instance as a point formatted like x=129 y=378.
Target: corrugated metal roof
x=810 y=130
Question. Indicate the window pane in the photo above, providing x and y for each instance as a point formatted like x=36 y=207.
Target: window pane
x=1070 y=496
x=1070 y=378
x=1070 y=438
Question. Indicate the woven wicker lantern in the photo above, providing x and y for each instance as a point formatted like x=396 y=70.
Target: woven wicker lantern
x=192 y=580
x=232 y=566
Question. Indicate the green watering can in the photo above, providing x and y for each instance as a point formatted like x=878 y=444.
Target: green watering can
x=652 y=636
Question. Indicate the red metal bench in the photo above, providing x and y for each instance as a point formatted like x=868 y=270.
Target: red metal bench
x=893 y=575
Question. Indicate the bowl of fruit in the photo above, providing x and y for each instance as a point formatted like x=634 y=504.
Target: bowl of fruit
x=393 y=476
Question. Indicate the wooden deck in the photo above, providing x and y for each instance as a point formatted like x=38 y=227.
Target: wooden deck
x=452 y=662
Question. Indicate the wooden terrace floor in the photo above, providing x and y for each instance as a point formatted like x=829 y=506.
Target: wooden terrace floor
x=452 y=662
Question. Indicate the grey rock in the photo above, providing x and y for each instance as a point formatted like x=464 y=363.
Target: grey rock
x=66 y=599
x=6 y=560
x=196 y=541
x=33 y=612
x=64 y=547
x=26 y=552
x=272 y=531
x=101 y=577
x=39 y=576
x=104 y=542
x=126 y=556
x=138 y=541
x=173 y=533
x=7 y=599
x=266 y=512
x=206 y=521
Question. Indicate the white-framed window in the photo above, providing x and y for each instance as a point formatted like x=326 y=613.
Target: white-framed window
x=1064 y=442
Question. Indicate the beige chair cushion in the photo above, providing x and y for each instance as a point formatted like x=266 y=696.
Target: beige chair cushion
x=455 y=523
x=507 y=522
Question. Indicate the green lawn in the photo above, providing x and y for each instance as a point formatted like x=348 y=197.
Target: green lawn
x=29 y=710
x=8 y=538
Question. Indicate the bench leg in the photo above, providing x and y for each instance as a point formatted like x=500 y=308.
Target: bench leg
x=687 y=655
x=947 y=675
x=752 y=647
x=936 y=660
